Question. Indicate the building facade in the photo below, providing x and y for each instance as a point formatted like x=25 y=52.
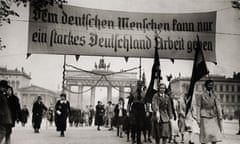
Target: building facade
x=16 y=78
x=27 y=93
x=228 y=90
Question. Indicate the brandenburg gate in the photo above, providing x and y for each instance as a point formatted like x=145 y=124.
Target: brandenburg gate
x=101 y=76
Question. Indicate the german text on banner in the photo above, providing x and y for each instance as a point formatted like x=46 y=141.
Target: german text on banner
x=84 y=31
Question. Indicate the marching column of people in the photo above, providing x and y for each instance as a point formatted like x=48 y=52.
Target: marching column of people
x=163 y=119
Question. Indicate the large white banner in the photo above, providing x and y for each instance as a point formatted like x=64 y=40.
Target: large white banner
x=84 y=31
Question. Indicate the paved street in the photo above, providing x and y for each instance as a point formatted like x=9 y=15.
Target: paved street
x=89 y=135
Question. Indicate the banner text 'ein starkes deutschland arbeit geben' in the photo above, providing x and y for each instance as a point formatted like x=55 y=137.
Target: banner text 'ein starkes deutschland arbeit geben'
x=84 y=31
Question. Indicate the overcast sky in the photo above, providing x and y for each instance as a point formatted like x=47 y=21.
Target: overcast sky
x=46 y=70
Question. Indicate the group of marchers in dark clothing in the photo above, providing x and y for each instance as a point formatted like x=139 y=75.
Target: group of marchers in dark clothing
x=61 y=112
x=133 y=119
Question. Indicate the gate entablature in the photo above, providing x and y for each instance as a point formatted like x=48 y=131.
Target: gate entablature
x=101 y=76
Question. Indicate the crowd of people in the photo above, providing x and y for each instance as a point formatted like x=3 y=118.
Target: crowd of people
x=162 y=120
x=165 y=118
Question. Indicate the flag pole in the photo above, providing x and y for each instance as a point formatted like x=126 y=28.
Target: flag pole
x=140 y=68
x=199 y=70
x=63 y=77
x=155 y=74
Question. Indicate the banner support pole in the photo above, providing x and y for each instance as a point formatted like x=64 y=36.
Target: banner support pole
x=63 y=77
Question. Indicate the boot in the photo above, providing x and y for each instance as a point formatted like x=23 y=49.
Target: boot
x=149 y=140
x=117 y=131
x=62 y=134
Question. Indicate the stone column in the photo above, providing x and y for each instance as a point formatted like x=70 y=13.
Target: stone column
x=93 y=96
x=80 y=97
x=109 y=93
x=68 y=93
x=121 y=91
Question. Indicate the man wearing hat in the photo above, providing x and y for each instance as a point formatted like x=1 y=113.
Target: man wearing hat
x=5 y=113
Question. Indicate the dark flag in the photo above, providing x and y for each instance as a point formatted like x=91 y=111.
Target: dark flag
x=199 y=70
x=155 y=78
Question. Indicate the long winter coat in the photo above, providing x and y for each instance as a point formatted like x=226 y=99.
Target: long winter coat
x=37 y=110
x=99 y=115
x=62 y=110
x=14 y=105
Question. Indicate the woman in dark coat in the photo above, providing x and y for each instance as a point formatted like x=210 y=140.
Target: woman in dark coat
x=38 y=110
x=99 y=115
x=62 y=110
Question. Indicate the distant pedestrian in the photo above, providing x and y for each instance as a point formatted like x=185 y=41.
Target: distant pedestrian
x=37 y=113
x=110 y=114
x=209 y=115
x=238 y=122
x=62 y=110
x=91 y=115
x=99 y=115
x=50 y=115
x=86 y=115
x=25 y=115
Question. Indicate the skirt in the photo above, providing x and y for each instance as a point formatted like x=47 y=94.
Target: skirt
x=209 y=130
x=161 y=130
